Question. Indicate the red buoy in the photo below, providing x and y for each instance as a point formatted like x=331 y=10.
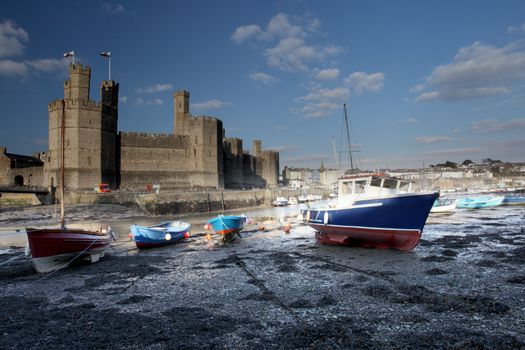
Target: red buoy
x=186 y=235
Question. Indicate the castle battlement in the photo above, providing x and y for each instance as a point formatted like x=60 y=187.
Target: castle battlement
x=148 y=140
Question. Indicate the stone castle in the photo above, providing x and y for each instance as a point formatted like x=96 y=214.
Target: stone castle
x=196 y=155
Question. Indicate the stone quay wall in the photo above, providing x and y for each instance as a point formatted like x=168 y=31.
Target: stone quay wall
x=181 y=202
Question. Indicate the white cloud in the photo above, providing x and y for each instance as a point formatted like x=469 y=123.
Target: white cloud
x=263 y=78
x=493 y=125
x=291 y=53
x=454 y=151
x=123 y=99
x=211 y=104
x=478 y=70
x=318 y=110
x=140 y=101
x=514 y=29
x=154 y=88
x=431 y=139
x=321 y=102
x=327 y=74
x=11 y=68
x=48 y=64
x=12 y=39
x=410 y=120
x=279 y=26
x=21 y=69
x=280 y=127
x=338 y=93
x=462 y=94
x=362 y=82
x=283 y=149
x=244 y=33
x=113 y=9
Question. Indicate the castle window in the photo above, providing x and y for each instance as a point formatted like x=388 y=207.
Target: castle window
x=89 y=160
x=194 y=152
x=195 y=139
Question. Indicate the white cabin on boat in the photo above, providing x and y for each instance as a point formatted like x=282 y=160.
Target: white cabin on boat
x=359 y=187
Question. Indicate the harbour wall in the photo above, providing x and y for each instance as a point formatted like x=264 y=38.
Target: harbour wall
x=170 y=203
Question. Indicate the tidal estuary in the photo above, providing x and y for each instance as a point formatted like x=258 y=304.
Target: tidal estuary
x=463 y=286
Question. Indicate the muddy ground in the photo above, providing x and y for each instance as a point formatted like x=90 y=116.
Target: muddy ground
x=463 y=287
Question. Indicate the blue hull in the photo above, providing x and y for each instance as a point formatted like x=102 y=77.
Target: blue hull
x=395 y=222
x=159 y=235
x=514 y=199
x=227 y=224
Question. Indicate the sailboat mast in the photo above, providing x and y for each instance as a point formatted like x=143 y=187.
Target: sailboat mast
x=62 y=149
x=348 y=140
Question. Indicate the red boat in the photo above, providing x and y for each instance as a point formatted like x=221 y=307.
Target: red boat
x=53 y=249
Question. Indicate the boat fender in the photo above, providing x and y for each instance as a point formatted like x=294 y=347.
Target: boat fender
x=307 y=215
x=27 y=249
x=325 y=217
x=168 y=236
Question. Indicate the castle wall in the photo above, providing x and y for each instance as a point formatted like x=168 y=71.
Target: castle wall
x=33 y=176
x=154 y=158
x=233 y=163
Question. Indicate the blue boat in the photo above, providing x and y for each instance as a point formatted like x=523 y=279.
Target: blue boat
x=514 y=199
x=160 y=235
x=479 y=202
x=227 y=224
x=373 y=211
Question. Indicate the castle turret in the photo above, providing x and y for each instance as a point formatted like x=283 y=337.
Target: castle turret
x=181 y=103
x=77 y=86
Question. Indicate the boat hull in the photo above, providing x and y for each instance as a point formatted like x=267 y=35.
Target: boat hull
x=53 y=249
x=394 y=222
x=224 y=225
x=514 y=199
x=479 y=202
x=160 y=235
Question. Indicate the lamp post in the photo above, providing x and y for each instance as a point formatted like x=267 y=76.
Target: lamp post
x=107 y=54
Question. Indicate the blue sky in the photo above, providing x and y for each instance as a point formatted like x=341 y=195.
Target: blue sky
x=424 y=81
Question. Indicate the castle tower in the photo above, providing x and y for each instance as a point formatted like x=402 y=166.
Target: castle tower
x=90 y=133
x=256 y=148
x=109 y=108
x=181 y=104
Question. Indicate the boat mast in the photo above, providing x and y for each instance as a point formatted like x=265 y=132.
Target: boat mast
x=62 y=133
x=348 y=140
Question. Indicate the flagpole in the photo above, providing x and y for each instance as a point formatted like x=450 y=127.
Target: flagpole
x=109 y=68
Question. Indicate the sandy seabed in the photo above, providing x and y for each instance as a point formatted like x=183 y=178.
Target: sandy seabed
x=462 y=287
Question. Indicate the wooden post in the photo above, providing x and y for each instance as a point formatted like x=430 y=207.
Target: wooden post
x=222 y=199
x=208 y=200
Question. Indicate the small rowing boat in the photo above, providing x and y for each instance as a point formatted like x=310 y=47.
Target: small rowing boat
x=160 y=235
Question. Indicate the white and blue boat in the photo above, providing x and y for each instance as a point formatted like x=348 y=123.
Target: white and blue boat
x=478 y=202
x=160 y=235
x=514 y=199
x=444 y=205
x=372 y=210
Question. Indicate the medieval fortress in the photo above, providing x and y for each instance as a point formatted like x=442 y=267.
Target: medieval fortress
x=196 y=155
